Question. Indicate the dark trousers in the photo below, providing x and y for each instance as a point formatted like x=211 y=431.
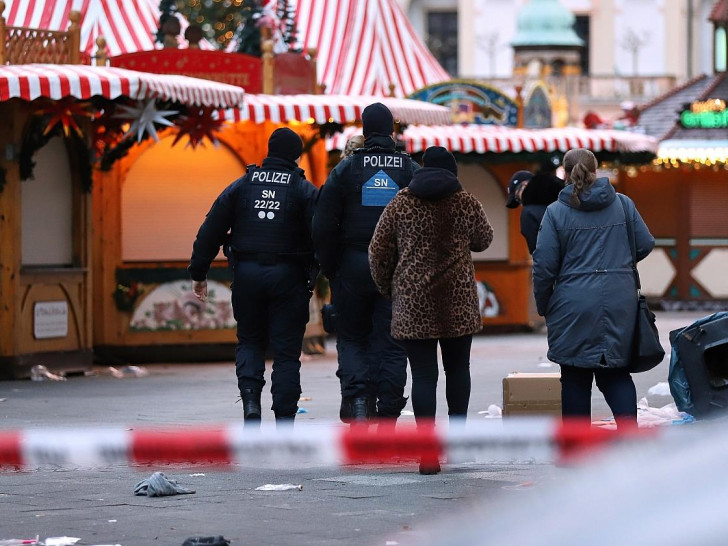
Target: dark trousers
x=615 y=384
x=422 y=354
x=270 y=303
x=371 y=363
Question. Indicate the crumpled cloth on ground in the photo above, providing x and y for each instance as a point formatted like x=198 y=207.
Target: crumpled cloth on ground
x=158 y=485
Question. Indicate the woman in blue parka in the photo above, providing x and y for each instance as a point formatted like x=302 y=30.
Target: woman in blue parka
x=585 y=287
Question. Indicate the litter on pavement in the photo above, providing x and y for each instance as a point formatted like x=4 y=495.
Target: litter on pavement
x=128 y=371
x=217 y=540
x=279 y=487
x=61 y=541
x=158 y=485
x=41 y=373
x=661 y=389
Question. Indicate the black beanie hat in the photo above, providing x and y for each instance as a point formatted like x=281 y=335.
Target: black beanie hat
x=285 y=144
x=377 y=118
x=437 y=156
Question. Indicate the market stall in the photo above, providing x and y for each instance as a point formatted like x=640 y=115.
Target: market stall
x=56 y=119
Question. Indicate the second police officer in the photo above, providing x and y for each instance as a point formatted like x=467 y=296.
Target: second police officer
x=372 y=366
x=268 y=214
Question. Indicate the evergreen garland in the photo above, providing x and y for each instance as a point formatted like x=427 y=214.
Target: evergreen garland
x=248 y=35
x=33 y=140
x=113 y=154
x=167 y=9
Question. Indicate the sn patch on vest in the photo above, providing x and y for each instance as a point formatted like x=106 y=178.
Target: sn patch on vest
x=378 y=191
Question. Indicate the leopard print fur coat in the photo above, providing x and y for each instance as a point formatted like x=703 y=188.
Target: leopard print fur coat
x=420 y=257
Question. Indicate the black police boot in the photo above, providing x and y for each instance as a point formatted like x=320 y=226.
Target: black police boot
x=372 y=409
x=285 y=421
x=251 y=406
x=345 y=410
x=360 y=409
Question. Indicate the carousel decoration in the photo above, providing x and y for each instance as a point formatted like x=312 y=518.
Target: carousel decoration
x=199 y=123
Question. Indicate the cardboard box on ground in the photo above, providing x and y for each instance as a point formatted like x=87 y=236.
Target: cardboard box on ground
x=532 y=394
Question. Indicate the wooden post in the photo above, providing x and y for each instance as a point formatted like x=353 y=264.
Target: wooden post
x=74 y=37
x=268 y=62
x=10 y=235
x=2 y=33
x=101 y=56
x=312 y=52
x=392 y=87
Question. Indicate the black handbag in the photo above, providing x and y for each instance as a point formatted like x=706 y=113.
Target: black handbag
x=647 y=351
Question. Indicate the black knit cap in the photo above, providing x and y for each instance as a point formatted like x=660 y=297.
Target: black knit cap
x=437 y=156
x=377 y=118
x=285 y=144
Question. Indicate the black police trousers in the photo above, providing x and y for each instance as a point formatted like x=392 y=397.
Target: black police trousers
x=270 y=303
x=371 y=363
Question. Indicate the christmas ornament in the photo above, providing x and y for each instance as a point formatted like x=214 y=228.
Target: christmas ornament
x=143 y=116
x=199 y=123
x=65 y=112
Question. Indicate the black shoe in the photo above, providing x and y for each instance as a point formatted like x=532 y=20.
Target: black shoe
x=360 y=409
x=372 y=408
x=251 y=404
x=345 y=410
x=285 y=420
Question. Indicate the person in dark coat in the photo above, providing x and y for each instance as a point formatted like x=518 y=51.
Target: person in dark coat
x=372 y=366
x=264 y=221
x=420 y=256
x=535 y=192
x=585 y=287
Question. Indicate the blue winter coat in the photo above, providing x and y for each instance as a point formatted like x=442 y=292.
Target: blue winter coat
x=583 y=280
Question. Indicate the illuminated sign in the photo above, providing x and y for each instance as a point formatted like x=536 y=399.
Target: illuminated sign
x=708 y=114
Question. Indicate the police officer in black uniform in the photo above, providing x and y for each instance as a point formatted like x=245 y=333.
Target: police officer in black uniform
x=268 y=214
x=372 y=366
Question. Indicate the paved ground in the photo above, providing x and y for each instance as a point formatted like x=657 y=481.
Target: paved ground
x=372 y=504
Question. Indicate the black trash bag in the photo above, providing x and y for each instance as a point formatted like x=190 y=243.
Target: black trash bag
x=217 y=540
x=700 y=358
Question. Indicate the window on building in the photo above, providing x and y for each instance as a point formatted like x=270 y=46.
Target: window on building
x=442 y=38
x=582 y=31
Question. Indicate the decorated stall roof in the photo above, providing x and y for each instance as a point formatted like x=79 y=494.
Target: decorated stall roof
x=53 y=81
x=364 y=45
x=333 y=108
x=482 y=139
x=127 y=25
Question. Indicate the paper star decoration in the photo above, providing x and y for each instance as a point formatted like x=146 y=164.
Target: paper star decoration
x=65 y=112
x=202 y=122
x=144 y=115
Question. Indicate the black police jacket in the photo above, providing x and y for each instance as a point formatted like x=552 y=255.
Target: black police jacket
x=354 y=196
x=269 y=210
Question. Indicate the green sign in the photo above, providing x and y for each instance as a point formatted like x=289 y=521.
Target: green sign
x=710 y=114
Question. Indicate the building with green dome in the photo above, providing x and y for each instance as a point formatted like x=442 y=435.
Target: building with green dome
x=545 y=41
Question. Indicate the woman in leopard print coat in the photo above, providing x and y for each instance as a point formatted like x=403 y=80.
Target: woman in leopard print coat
x=420 y=257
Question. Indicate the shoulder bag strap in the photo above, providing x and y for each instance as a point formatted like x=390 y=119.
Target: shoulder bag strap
x=630 y=237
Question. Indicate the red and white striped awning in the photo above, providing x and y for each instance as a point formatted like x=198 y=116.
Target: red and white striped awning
x=334 y=108
x=482 y=139
x=364 y=45
x=127 y=25
x=56 y=81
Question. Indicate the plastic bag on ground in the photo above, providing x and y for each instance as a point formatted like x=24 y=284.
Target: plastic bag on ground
x=279 y=487
x=41 y=373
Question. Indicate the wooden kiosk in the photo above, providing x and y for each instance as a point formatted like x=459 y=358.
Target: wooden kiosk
x=45 y=227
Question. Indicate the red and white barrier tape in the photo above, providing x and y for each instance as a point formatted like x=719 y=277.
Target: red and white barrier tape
x=523 y=440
